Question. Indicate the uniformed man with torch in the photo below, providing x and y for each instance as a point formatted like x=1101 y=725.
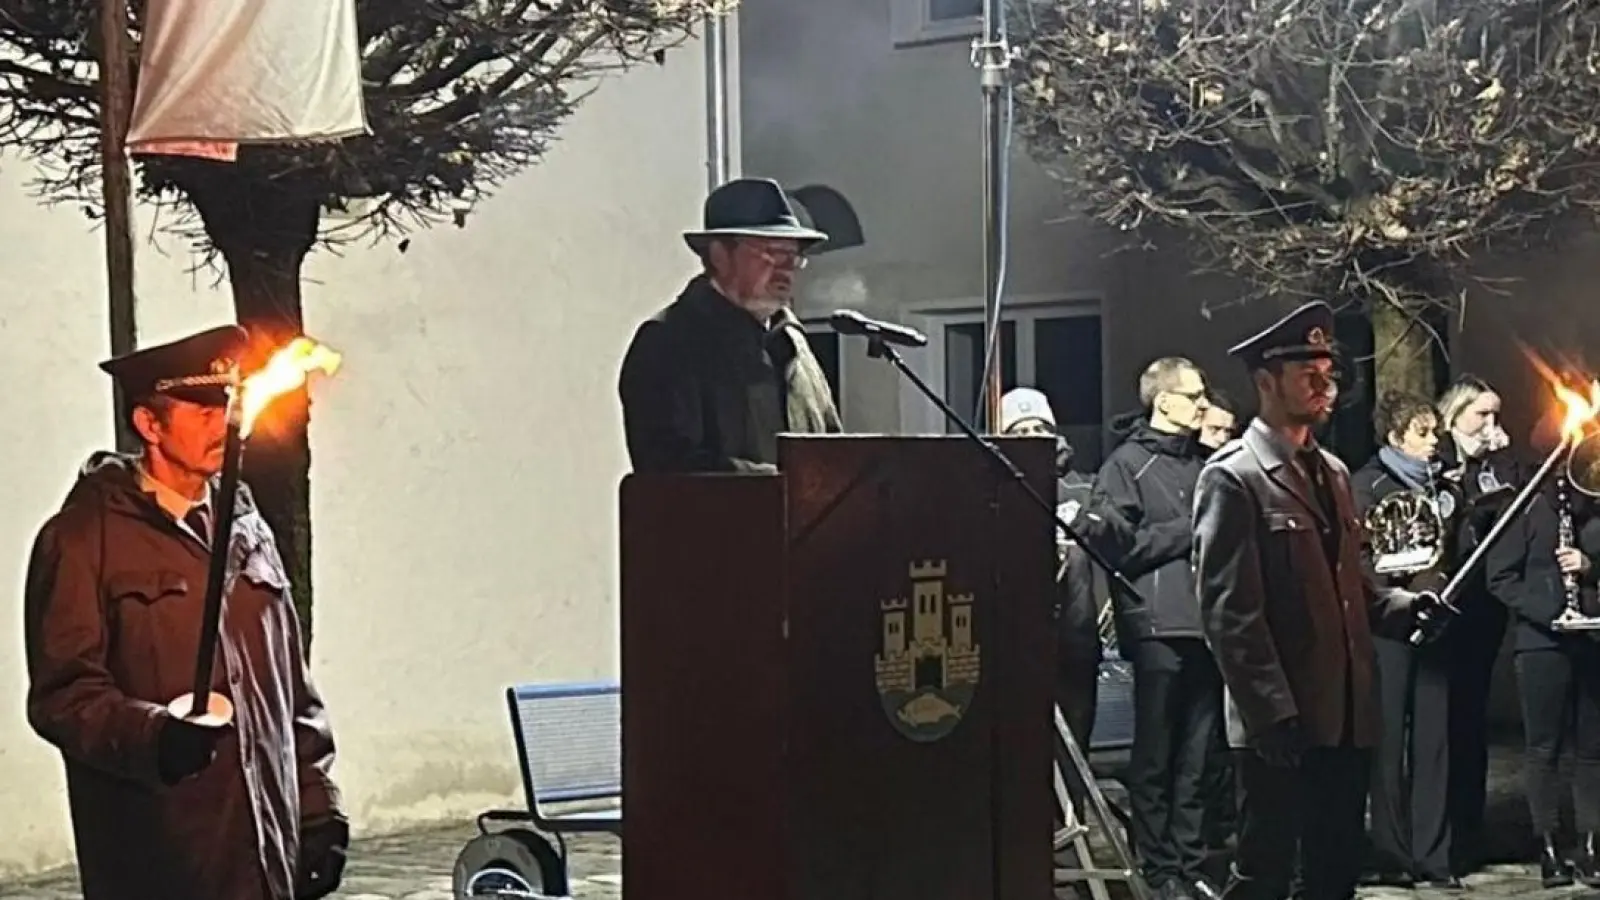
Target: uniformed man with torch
x=233 y=800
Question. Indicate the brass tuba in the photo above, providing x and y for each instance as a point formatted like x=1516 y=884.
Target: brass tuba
x=1583 y=466
x=1407 y=532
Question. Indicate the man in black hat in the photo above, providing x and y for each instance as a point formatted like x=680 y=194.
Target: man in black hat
x=709 y=383
x=238 y=803
x=1285 y=606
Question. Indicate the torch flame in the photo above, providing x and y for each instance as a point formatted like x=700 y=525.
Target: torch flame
x=1580 y=410
x=286 y=371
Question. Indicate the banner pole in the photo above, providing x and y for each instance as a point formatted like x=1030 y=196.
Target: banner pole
x=116 y=104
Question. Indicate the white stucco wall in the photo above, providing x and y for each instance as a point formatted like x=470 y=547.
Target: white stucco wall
x=466 y=458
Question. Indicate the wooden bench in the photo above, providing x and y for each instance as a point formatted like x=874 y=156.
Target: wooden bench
x=569 y=748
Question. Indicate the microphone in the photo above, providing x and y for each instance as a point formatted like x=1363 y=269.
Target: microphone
x=848 y=321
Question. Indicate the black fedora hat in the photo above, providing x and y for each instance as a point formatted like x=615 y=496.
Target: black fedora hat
x=750 y=207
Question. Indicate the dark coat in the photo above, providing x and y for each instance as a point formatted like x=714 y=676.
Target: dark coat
x=1521 y=570
x=707 y=388
x=1485 y=485
x=1148 y=482
x=1288 y=625
x=112 y=612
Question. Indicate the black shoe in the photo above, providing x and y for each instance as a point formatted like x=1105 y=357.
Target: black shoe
x=1389 y=879
x=1554 y=871
x=1174 y=889
x=1584 y=862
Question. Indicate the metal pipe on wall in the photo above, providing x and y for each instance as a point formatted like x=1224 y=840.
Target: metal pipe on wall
x=717 y=131
x=992 y=55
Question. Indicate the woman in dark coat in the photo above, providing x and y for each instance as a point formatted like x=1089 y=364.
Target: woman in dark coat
x=1477 y=461
x=1558 y=674
x=1410 y=829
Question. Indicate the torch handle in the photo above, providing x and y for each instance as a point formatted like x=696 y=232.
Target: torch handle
x=221 y=545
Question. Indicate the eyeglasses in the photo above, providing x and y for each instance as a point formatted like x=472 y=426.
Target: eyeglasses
x=780 y=257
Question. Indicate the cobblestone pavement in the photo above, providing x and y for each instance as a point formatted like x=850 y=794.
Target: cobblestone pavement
x=417 y=866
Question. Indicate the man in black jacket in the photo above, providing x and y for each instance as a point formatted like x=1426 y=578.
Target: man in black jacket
x=1148 y=481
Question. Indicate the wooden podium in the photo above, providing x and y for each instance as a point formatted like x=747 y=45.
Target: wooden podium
x=836 y=682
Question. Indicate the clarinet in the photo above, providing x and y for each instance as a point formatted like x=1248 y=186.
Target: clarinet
x=1564 y=541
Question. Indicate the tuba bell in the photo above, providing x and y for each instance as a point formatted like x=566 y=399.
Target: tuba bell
x=1583 y=466
x=1407 y=532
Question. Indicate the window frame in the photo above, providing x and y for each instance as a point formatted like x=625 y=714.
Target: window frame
x=918 y=416
x=822 y=326
x=911 y=25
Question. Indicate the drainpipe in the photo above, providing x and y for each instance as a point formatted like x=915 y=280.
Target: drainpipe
x=717 y=135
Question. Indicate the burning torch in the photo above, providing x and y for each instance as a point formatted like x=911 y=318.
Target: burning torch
x=1580 y=413
x=285 y=371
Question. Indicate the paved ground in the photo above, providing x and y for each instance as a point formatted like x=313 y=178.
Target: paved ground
x=413 y=866
x=418 y=866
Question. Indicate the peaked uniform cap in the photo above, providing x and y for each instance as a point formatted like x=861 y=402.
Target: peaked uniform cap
x=1306 y=333
x=199 y=368
x=750 y=207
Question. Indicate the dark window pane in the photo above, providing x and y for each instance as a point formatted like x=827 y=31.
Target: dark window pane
x=963 y=366
x=825 y=345
x=1068 y=368
x=945 y=10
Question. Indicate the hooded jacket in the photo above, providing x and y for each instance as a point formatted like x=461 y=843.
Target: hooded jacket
x=1148 y=482
x=112 y=608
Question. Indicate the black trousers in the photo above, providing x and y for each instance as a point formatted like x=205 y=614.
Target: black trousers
x=1177 y=698
x=1560 y=692
x=1220 y=790
x=1310 y=814
x=1474 y=645
x=1410 y=828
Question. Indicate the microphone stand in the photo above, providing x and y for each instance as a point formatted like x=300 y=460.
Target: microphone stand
x=878 y=348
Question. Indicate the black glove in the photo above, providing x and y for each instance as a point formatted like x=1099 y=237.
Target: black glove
x=1282 y=744
x=323 y=845
x=184 y=749
x=1431 y=617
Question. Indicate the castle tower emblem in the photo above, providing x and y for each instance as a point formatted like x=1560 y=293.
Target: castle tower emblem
x=928 y=667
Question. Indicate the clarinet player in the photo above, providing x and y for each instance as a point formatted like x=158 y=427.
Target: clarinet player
x=1545 y=565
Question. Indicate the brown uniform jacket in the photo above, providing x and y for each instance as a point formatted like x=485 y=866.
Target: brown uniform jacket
x=112 y=605
x=1287 y=624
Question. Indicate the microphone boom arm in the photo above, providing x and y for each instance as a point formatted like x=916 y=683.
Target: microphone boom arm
x=878 y=348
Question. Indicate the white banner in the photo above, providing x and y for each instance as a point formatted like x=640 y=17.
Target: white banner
x=214 y=74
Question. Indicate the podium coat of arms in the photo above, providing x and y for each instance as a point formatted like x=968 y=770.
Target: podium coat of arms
x=929 y=663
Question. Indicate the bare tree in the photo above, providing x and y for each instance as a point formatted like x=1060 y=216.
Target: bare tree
x=1356 y=150
x=460 y=94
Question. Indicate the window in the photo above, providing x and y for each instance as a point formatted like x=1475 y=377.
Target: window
x=825 y=346
x=1056 y=348
x=930 y=21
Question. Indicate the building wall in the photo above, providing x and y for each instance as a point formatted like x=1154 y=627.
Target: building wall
x=466 y=457
x=827 y=97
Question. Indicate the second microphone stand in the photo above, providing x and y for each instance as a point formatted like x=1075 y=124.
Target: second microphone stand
x=877 y=348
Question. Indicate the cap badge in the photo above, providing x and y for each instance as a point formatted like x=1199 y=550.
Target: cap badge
x=1316 y=337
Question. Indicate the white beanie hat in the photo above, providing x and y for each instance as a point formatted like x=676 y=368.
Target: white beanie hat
x=1021 y=404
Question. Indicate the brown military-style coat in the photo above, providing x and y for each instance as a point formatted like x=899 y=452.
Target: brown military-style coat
x=1288 y=625
x=113 y=599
